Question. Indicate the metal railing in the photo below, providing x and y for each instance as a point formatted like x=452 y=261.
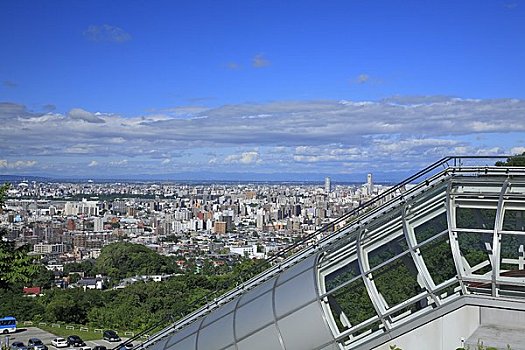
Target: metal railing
x=300 y=250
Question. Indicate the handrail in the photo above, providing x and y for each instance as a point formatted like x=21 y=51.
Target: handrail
x=268 y=273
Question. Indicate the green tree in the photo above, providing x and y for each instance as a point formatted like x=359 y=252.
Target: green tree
x=86 y=266
x=65 y=307
x=122 y=259
x=44 y=278
x=17 y=305
x=16 y=267
x=74 y=278
x=516 y=160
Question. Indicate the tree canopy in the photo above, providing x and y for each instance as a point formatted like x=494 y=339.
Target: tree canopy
x=16 y=267
x=122 y=259
x=517 y=160
x=136 y=307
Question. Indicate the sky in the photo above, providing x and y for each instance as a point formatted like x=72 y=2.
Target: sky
x=257 y=89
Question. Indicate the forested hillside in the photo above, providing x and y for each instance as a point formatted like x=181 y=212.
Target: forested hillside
x=135 y=307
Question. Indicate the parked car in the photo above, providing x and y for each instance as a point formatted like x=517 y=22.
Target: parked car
x=18 y=345
x=85 y=348
x=36 y=344
x=75 y=340
x=59 y=343
x=99 y=347
x=110 y=335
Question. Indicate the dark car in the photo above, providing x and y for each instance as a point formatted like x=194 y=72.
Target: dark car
x=18 y=345
x=111 y=336
x=36 y=344
x=75 y=340
x=99 y=347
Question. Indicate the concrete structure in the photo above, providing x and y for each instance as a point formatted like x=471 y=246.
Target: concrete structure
x=220 y=227
x=428 y=269
x=48 y=248
x=369 y=185
x=327 y=185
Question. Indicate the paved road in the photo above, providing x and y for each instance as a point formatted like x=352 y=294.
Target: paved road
x=23 y=335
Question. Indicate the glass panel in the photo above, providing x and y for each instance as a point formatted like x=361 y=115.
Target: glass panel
x=473 y=247
x=397 y=281
x=408 y=310
x=351 y=305
x=480 y=188
x=431 y=227
x=387 y=251
x=437 y=255
x=512 y=291
x=342 y=275
x=448 y=291
x=476 y=218
x=514 y=220
x=479 y=287
x=362 y=333
x=429 y=196
x=512 y=255
x=516 y=189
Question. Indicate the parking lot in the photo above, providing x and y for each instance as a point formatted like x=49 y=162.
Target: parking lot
x=24 y=334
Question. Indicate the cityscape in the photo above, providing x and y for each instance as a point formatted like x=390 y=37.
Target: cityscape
x=70 y=222
x=262 y=175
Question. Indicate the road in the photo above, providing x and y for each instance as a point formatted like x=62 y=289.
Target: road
x=23 y=335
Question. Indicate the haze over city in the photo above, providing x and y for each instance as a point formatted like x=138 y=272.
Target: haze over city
x=257 y=89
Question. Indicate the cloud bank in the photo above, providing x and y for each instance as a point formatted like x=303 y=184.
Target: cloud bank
x=292 y=136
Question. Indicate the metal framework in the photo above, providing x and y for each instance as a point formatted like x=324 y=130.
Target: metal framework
x=459 y=233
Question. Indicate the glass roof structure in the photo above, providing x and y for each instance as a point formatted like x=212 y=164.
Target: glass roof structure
x=459 y=232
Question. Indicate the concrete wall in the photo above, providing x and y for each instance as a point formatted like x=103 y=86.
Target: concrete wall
x=502 y=317
x=444 y=333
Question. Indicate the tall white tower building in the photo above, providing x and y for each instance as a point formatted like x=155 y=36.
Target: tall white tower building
x=327 y=185
x=369 y=185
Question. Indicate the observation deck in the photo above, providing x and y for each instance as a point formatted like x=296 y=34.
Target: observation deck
x=433 y=259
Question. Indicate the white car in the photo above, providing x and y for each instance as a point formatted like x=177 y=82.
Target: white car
x=84 y=348
x=59 y=343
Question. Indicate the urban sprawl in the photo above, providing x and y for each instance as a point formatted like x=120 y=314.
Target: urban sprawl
x=218 y=223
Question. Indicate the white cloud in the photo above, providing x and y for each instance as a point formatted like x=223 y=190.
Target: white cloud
x=79 y=149
x=122 y=162
x=362 y=78
x=288 y=135
x=80 y=114
x=165 y=161
x=517 y=150
x=259 y=61
x=93 y=163
x=117 y=140
x=328 y=153
x=18 y=164
x=251 y=157
x=106 y=32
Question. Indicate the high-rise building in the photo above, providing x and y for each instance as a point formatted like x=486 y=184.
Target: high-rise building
x=98 y=224
x=327 y=185
x=369 y=184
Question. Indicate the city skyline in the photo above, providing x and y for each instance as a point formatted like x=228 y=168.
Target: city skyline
x=257 y=90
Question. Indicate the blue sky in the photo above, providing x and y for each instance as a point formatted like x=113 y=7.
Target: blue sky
x=99 y=88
